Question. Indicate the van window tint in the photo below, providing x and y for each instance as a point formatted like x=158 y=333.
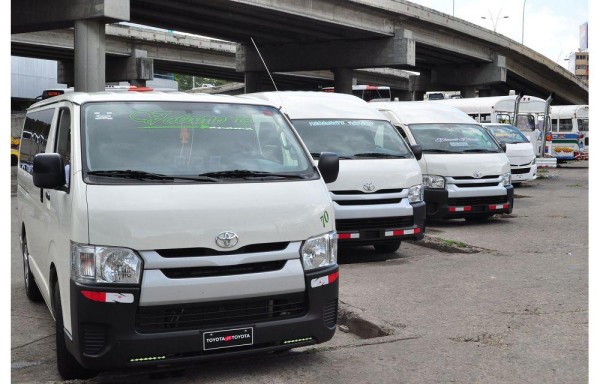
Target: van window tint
x=453 y=138
x=34 y=137
x=507 y=134
x=63 y=140
x=352 y=138
x=187 y=139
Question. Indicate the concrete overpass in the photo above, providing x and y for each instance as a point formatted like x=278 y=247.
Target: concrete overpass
x=337 y=35
x=185 y=54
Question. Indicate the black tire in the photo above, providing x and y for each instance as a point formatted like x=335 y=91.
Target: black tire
x=31 y=289
x=13 y=161
x=68 y=367
x=387 y=247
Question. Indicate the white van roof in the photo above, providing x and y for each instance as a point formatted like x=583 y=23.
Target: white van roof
x=320 y=105
x=424 y=112
x=83 y=97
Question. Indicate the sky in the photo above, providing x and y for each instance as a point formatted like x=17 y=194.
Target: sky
x=550 y=27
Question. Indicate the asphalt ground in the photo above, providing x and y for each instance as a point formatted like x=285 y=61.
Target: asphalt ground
x=505 y=301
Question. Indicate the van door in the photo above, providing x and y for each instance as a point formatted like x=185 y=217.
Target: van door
x=34 y=140
x=57 y=203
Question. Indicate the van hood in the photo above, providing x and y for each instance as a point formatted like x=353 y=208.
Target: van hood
x=489 y=164
x=166 y=216
x=520 y=154
x=382 y=173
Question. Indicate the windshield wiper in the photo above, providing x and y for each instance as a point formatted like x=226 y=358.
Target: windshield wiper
x=435 y=150
x=316 y=155
x=479 y=150
x=143 y=175
x=245 y=173
x=380 y=155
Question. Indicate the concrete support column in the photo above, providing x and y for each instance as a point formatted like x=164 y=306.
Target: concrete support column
x=252 y=82
x=469 y=92
x=90 y=55
x=417 y=95
x=342 y=80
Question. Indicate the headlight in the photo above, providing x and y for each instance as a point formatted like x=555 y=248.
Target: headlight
x=433 y=181
x=415 y=193
x=506 y=178
x=319 y=251
x=533 y=161
x=105 y=265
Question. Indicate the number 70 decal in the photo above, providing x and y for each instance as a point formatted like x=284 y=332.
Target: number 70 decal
x=325 y=218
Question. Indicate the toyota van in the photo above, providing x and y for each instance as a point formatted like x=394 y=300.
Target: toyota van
x=466 y=173
x=158 y=231
x=378 y=196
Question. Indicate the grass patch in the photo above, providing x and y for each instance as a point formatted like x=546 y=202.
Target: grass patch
x=575 y=185
x=452 y=243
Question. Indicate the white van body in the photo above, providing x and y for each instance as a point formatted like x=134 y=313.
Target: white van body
x=519 y=151
x=156 y=245
x=377 y=198
x=458 y=184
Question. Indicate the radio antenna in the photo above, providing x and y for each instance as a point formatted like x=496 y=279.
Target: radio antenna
x=265 y=64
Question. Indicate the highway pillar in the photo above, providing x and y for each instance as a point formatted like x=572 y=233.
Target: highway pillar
x=90 y=59
x=252 y=82
x=342 y=80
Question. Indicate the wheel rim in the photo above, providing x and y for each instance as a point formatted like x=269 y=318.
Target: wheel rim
x=25 y=261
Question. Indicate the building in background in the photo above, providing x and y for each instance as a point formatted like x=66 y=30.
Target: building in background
x=579 y=62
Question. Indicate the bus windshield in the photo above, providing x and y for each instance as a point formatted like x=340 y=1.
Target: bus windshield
x=187 y=139
x=508 y=134
x=352 y=139
x=454 y=138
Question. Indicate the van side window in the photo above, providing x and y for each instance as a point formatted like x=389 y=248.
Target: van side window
x=63 y=140
x=35 y=136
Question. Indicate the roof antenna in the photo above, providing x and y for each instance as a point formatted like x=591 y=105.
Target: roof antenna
x=261 y=59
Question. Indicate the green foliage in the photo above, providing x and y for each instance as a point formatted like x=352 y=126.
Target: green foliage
x=186 y=82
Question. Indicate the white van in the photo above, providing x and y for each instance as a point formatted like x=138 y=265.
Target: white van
x=466 y=173
x=158 y=232
x=519 y=151
x=378 y=196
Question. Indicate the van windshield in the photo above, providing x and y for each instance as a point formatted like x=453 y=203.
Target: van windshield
x=352 y=139
x=454 y=138
x=508 y=134
x=184 y=139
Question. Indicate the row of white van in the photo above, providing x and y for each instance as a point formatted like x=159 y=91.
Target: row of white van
x=167 y=228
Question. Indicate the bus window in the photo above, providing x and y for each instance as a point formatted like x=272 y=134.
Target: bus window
x=503 y=118
x=582 y=124
x=525 y=122
x=565 y=125
x=475 y=116
x=485 y=118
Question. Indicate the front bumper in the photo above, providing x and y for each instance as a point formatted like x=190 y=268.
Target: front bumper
x=368 y=231
x=440 y=206
x=523 y=174
x=107 y=335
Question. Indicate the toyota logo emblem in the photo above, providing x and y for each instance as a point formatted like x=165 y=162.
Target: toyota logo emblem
x=369 y=187
x=477 y=174
x=226 y=239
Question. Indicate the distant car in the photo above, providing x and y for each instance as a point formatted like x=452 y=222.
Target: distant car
x=14 y=150
x=518 y=150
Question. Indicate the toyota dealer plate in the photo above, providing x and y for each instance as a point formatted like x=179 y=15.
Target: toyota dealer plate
x=227 y=339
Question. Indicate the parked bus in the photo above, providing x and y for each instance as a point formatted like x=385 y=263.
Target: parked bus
x=570 y=130
x=368 y=92
x=501 y=110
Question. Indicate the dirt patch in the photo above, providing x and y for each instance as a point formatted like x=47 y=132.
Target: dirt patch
x=484 y=338
x=361 y=324
x=443 y=245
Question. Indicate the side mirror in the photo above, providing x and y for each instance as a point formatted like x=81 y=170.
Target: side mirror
x=417 y=149
x=329 y=166
x=48 y=171
x=503 y=146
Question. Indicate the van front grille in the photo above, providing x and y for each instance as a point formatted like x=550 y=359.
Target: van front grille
x=227 y=270
x=368 y=202
x=195 y=252
x=520 y=171
x=346 y=225
x=222 y=313
x=481 y=200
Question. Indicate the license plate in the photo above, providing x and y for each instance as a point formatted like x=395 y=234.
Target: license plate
x=227 y=339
